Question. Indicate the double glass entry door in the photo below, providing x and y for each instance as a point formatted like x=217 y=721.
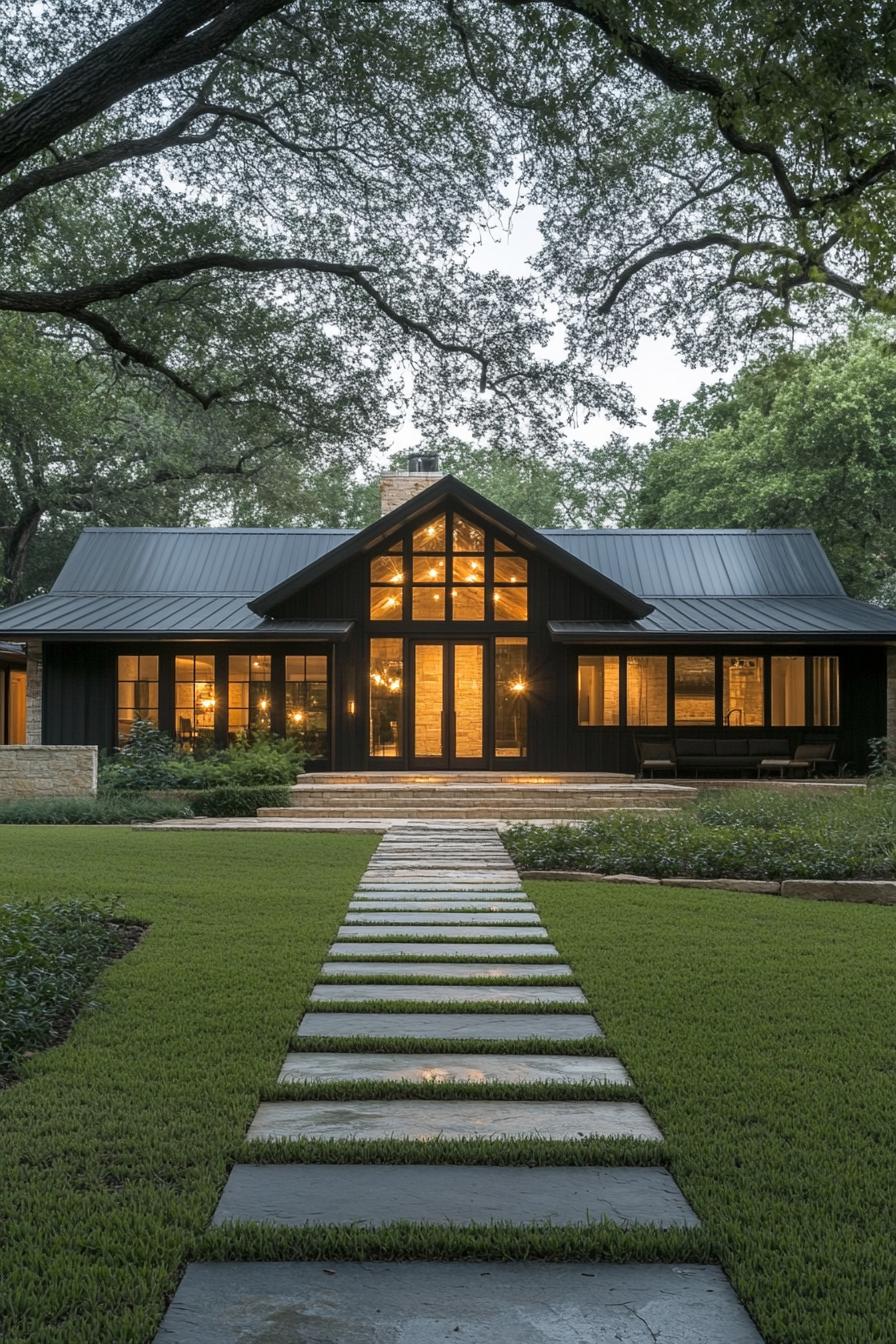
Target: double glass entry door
x=448 y=703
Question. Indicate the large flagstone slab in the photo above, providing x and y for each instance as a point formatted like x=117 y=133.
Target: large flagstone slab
x=484 y=970
x=370 y=1196
x=448 y=903
x=456 y=931
x=425 y=917
x=453 y=1026
x=336 y=1066
x=429 y=1120
x=448 y=993
x=471 y=951
x=509 y=898
x=455 y=1303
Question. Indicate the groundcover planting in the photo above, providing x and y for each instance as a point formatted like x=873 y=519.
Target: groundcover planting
x=761 y=834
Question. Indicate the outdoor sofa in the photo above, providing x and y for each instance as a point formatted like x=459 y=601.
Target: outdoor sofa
x=728 y=755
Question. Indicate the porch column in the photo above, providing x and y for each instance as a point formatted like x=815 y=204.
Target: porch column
x=34 y=692
x=891 y=701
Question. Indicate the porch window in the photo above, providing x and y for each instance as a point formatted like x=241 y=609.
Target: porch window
x=511 y=697
x=386 y=692
x=695 y=691
x=194 y=700
x=647 y=692
x=788 y=687
x=826 y=692
x=743 y=703
x=307 y=702
x=138 y=692
x=248 y=694
x=16 y=706
x=598 y=690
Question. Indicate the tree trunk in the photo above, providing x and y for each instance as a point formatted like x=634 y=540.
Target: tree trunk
x=16 y=548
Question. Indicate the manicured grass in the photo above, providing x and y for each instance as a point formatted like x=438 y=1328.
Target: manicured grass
x=364 y=1089
x=116 y=1145
x=759 y=1034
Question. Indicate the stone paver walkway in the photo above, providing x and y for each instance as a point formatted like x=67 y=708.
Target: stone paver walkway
x=447 y=903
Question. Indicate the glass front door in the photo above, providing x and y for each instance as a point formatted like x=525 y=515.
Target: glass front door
x=448 y=703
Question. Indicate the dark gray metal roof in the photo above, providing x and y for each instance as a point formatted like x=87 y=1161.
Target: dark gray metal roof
x=195 y=560
x=131 y=582
x=771 y=618
x=130 y=616
x=701 y=563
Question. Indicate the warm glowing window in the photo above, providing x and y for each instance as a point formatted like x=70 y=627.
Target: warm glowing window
x=385 y=604
x=387 y=569
x=248 y=694
x=466 y=536
x=598 y=690
x=511 y=697
x=788 y=687
x=430 y=537
x=646 y=691
x=511 y=593
x=826 y=692
x=138 y=692
x=306 y=702
x=743 y=704
x=194 y=700
x=386 y=692
x=695 y=691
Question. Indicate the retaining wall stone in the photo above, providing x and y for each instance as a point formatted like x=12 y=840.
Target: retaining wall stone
x=47 y=772
x=879 y=892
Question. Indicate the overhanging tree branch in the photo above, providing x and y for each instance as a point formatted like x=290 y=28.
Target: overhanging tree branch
x=739 y=245
x=173 y=37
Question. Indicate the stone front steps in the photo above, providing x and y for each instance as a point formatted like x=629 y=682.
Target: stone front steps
x=495 y=800
x=415 y=1301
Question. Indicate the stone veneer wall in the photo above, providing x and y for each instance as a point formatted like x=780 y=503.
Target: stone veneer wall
x=399 y=486
x=34 y=692
x=47 y=772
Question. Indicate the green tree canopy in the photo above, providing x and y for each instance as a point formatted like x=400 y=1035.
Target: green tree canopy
x=805 y=440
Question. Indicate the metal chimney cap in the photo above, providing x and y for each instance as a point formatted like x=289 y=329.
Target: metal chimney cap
x=422 y=463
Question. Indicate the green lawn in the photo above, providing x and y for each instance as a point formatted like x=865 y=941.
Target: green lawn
x=114 y=1149
x=758 y=1031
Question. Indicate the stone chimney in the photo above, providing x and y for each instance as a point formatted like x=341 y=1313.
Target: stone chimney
x=397 y=487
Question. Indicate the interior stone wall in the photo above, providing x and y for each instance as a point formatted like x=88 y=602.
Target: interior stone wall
x=47 y=772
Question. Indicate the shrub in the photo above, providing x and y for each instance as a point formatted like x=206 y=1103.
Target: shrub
x=50 y=955
x=152 y=760
x=727 y=833
x=111 y=809
x=238 y=801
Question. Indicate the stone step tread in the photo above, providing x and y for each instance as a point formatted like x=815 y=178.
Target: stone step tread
x=531 y=919
x=451 y=903
x=452 y=1026
x=459 y=970
x=297 y=1195
x=453 y=930
x=428 y=1120
x=339 y=1066
x=448 y=993
x=474 y=952
x=470 y=1302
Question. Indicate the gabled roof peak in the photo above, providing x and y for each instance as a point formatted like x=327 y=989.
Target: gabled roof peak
x=448 y=490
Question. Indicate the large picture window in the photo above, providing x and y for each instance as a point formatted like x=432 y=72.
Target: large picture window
x=695 y=691
x=788 y=687
x=138 y=692
x=194 y=700
x=647 y=694
x=826 y=692
x=598 y=690
x=386 y=696
x=454 y=571
x=307 y=702
x=743 y=702
x=248 y=694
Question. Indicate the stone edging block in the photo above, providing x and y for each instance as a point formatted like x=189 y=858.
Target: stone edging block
x=878 y=892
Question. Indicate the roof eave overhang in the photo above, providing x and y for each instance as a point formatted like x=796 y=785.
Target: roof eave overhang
x=617 y=636
x=268 y=630
x=449 y=489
